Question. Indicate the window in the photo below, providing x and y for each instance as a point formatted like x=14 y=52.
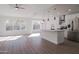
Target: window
x=9 y=27
x=18 y=25
x=36 y=26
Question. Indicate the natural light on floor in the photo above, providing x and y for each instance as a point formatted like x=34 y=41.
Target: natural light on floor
x=9 y=38
x=34 y=35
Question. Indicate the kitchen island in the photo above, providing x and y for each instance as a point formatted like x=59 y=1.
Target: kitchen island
x=54 y=36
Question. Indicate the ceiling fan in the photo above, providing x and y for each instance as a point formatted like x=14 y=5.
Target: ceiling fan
x=18 y=6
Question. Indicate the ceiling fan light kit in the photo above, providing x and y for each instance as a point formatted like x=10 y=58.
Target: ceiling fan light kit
x=17 y=6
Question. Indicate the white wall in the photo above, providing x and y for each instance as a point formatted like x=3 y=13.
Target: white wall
x=47 y=24
x=69 y=19
x=3 y=19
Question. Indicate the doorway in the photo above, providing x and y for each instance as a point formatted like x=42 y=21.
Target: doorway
x=35 y=26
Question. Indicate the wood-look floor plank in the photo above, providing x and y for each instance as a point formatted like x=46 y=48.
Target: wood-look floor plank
x=36 y=45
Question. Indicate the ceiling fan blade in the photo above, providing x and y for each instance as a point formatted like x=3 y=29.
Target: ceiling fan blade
x=18 y=7
x=21 y=7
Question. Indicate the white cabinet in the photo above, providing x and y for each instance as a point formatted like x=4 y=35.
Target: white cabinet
x=54 y=36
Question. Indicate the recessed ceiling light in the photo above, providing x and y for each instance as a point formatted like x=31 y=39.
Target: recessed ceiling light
x=69 y=9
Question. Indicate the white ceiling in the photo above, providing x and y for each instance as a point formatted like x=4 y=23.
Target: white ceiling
x=38 y=10
x=63 y=9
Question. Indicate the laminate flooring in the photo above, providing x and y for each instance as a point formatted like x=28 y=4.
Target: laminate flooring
x=37 y=45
